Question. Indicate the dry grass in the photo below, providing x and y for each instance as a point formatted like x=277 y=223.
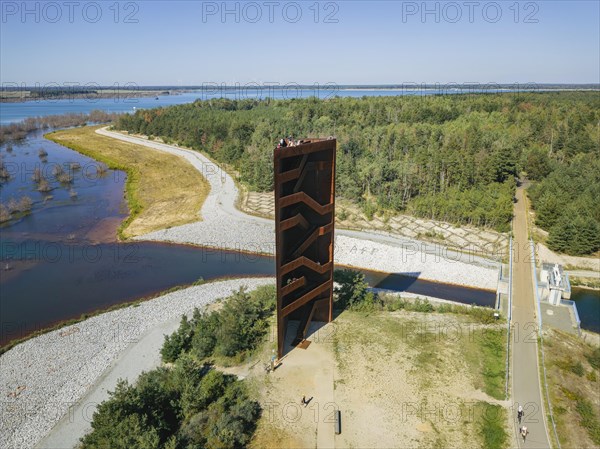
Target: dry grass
x=400 y=379
x=162 y=190
x=407 y=374
x=574 y=386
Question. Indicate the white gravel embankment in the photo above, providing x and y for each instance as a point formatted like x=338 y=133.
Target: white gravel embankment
x=226 y=227
x=46 y=378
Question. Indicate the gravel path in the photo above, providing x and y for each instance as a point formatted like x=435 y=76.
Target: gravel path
x=59 y=377
x=226 y=227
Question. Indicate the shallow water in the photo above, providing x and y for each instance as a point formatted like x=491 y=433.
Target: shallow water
x=78 y=210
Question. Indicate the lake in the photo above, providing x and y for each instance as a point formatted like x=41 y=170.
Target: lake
x=62 y=260
x=127 y=102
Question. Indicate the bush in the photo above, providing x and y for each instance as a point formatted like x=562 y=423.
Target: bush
x=101 y=169
x=421 y=306
x=25 y=204
x=4 y=173
x=4 y=213
x=64 y=178
x=177 y=342
x=37 y=175
x=188 y=406
x=233 y=331
x=577 y=368
x=353 y=292
x=594 y=358
x=44 y=185
x=589 y=420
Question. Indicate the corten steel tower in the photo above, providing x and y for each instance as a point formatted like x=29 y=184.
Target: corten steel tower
x=304 y=226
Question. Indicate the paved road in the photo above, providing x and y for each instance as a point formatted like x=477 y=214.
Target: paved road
x=525 y=368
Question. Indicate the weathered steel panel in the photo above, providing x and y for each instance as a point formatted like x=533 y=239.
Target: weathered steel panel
x=304 y=228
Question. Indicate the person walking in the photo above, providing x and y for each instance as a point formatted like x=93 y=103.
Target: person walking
x=524 y=432
x=520 y=414
x=304 y=403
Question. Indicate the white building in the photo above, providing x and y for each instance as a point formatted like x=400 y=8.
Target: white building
x=554 y=283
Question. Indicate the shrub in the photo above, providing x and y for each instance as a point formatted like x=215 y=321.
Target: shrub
x=64 y=178
x=13 y=206
x=37 y=175
x=421 y=306
x=369 y=210
x=4 y=173
x=44 y=185
x=394 y=303
x=188 y=406
x=57 y=170
x=178 y=342
x=577 y=368
x=591 y=376
x=4 y=213
x=101 y=169
x=594 y=358
x=589 y=420
x=233 y=331
x=353 y=292
x=25 y=204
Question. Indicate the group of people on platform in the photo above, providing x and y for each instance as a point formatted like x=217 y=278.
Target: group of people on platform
x=288 y=142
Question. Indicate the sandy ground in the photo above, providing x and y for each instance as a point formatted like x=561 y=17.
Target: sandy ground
x=389 y=394
x=587 y=263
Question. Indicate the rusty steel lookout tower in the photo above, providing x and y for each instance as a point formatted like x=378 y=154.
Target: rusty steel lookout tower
x=304 y=228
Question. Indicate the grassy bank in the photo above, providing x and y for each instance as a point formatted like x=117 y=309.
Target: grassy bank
x=162 y=190
x=583 y=282
x=573 y=369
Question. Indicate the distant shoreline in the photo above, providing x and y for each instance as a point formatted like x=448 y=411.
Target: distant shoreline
x=21 y=96
x=34 y=93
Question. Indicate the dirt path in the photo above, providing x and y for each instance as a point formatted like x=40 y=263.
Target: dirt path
x=525 y=369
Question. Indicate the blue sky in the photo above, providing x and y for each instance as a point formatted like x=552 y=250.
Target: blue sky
x=349 y=42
